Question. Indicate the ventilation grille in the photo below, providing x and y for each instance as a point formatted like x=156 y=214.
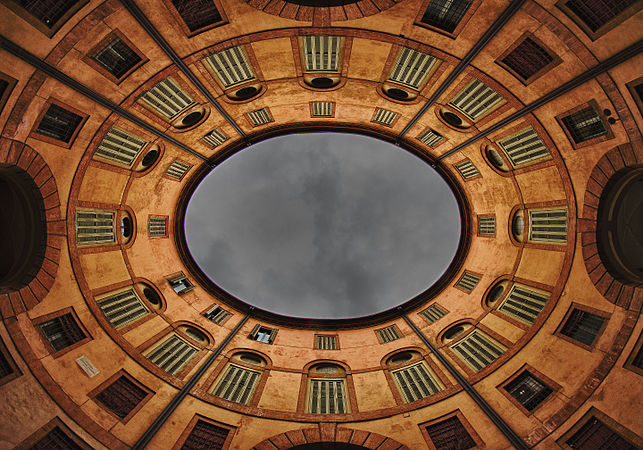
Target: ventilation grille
x=259 y=117
x=584 y=125
x=157 y=226
x=523 y=304
x=388 y=334
x=478 y=350
x=416 y=382
x=527 y=59
x=430 y=138
x=450 y=434
x=433 y=313
x=205 y=435
x=122 y=308
x=172 y=354
x=445 y=14
x=95 y=227
x=524 y=147
x=62 y=331
x=411 y=68
x=231 y=66
x=217 y=314
x=59 y=124
x=167 y=98
x=322 y=109
x=548 y=225
x=384 y=116
x=215 y=137
x=327 y=397
x=476 y=99
x=468 y=281
x=326 y=342
x=321 y=53
x=120 y=147
x=117 y=58
x=467 y=169
x=528 y=390
x=177 y=169
x=122 y=396
x=487 y=226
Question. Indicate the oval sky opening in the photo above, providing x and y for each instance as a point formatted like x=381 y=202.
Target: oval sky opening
x=323 y=225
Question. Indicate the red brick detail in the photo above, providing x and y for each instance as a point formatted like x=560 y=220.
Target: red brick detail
x=359 y=437
x=329 y=432
x=312 y=434
x=374 y=441
x=281 y=442
x=28 y=299
x=5 y=306
x=296 y=437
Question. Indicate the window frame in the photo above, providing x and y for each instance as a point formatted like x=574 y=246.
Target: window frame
x=316 y=341
x=608 y=26
x=167 y=226
x=439 y=306
x=588 y=309
x=465 y=272
x=88 y=58
x=333 y=107
x=463 y=421
x=593 y=412
x=556 y=60
x=458 y=29
x=637 y=348
x=111 y=380
x=15 y=370
x=43 y=431
x=11 y=84
x=631 y=86
x=37 y=24
x=393 y=326
x=495 y=227
x=34 y=134
x=178 y=277
x=459 y=171
x=255 y=331
x=257 y=387
x=189 y=33
x=576 y=145
x=178 y=180
x=188 y=430
x=47 y=317
x=544 y=379
x=217 y=305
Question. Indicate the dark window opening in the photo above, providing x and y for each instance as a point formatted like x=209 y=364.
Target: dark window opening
x=583 y=326
x=450 y=434
x=126 y=227
x=56 y=438
x=527 y=59
x=205 y=435
x=594 y=434
x=117 y=58
x=596 y=13
x=584 y=125
x=62 y=331
x=528 y=390
x=49 y=12
x=150 y=158
x=122 y=396
x=445 y=14
x=197 y=14
x=59 y=124
x=152 y=296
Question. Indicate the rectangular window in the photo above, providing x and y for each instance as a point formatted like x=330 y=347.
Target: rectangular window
x=120 y=147
x=388 y=334
x=259 y=117
x=8 y=368
x=327 y=396
x=263 y=334
x=528 y=60
x=582 y=326
x=584 y=125
x=122 y=308
x=59 y=124
x=322 y=109
x=122 y=396
x=635 y=87
x=450 y=434
x=434 y=313
x=7 y=84
x=118 y=58
x=46 y=15
x=326 y=342
x=216 y=314
x=384 y=117
x=467 y=169
x=56 y=438
x=411 y=68
x=594 y=434
x=198 y=15
x=524 y=147
x=172 y=354
x=205 y=435
x=476 y=99
x=237 y=384
x=523 y=304
x=430 y=138
x=416 y=382
x=231 y=66
x=177 y=169
x=445 y=14
x=321 y=53
x=167 y=98
x=478 y=350
x=215 y=138
x=635 y=360
x=467 y=281
x=62 y=331
x=180 y=284
x=548 y=225
x=487 y=226
x=95 y=227
x=598 y=16
x=528 y=390
x=157 y=226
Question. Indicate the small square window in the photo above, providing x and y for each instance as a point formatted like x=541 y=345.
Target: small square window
x=585 y=125
x=597 y=430
x=217 y=314
x=597 y=17
x=326 y=342
x=467 y=169
x=486 y=226
x=157 y=226
x=635 y=360
x=57 y=124
x=388 y=334
x=115 y=57
x=48 y=16
x=528 y=390
x=446 y=16
x=434 y=313
x=468 y=281
x=122 y=396
x=62 y=331
x=528 y=59
x=263 y=334
x=450 y=432
x=196 y=16
x=582 y=325
x=54 y=435
x=636 y=89
x=7 y=84
x=8 y=368
x=204 y=433
x=180 y=284
x=177 y=170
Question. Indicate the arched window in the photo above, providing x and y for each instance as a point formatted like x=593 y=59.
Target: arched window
x=327 y=390
x=240 y=379
x=412 y=375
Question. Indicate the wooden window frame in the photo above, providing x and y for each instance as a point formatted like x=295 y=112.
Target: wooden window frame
x=255 y=330
x=458 y=29
x=421 y=313
x=37 y=24
x=397 y=329
x=11 y=83
x=456 y=285
x=594 y=104
x=465 y=179
x=90 y=61
x=179 y=276
x=465 y=423
x=107 y=383
x=597 y=312
x=637 y=348
x=593 y=412
x=555 y=387
x=333 y=107
x=218 y=304
x=484 y=216
x=186 y=432
x=593 y=35
x=336 y=336
x=16 y=372
x=393 y=122
x=178 y=180
x=251 y=123
x=542 y=71
x=34 y=134
x=42 y=319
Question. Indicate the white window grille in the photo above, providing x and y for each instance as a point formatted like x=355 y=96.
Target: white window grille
x=468 y=281
x=172 y=354
x=321 y=53
x=237 y=384
x=322 y=109
x=157 y=226
x=327 y=396
x=430 y=138
x=388 y=334
x=122 y=308
x=384 y=116
x=416 y=382
x=467 y=169
x=177 y=169
x=411 y=68
x=548 y=225
x=476 y=99
x=215 y=137
x=433 y=313
x=95 y=227
x=478 y=350
x=259 y=117
x=120 y=147
x=487 y=226
x=326 y=342
x=523 y=303
x=167 y=98
x=217 y=314
x=523 y=147
x=231 y=66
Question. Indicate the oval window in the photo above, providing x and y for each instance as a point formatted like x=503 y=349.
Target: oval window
x=250 y=358
x=402 y=357
x=195 y=334
x=495 y=159
x=518 y=226
x=152 y=296
x=322 y=82
x=327 y=368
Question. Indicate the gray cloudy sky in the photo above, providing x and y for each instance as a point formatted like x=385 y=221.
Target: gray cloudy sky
x=323 y=225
